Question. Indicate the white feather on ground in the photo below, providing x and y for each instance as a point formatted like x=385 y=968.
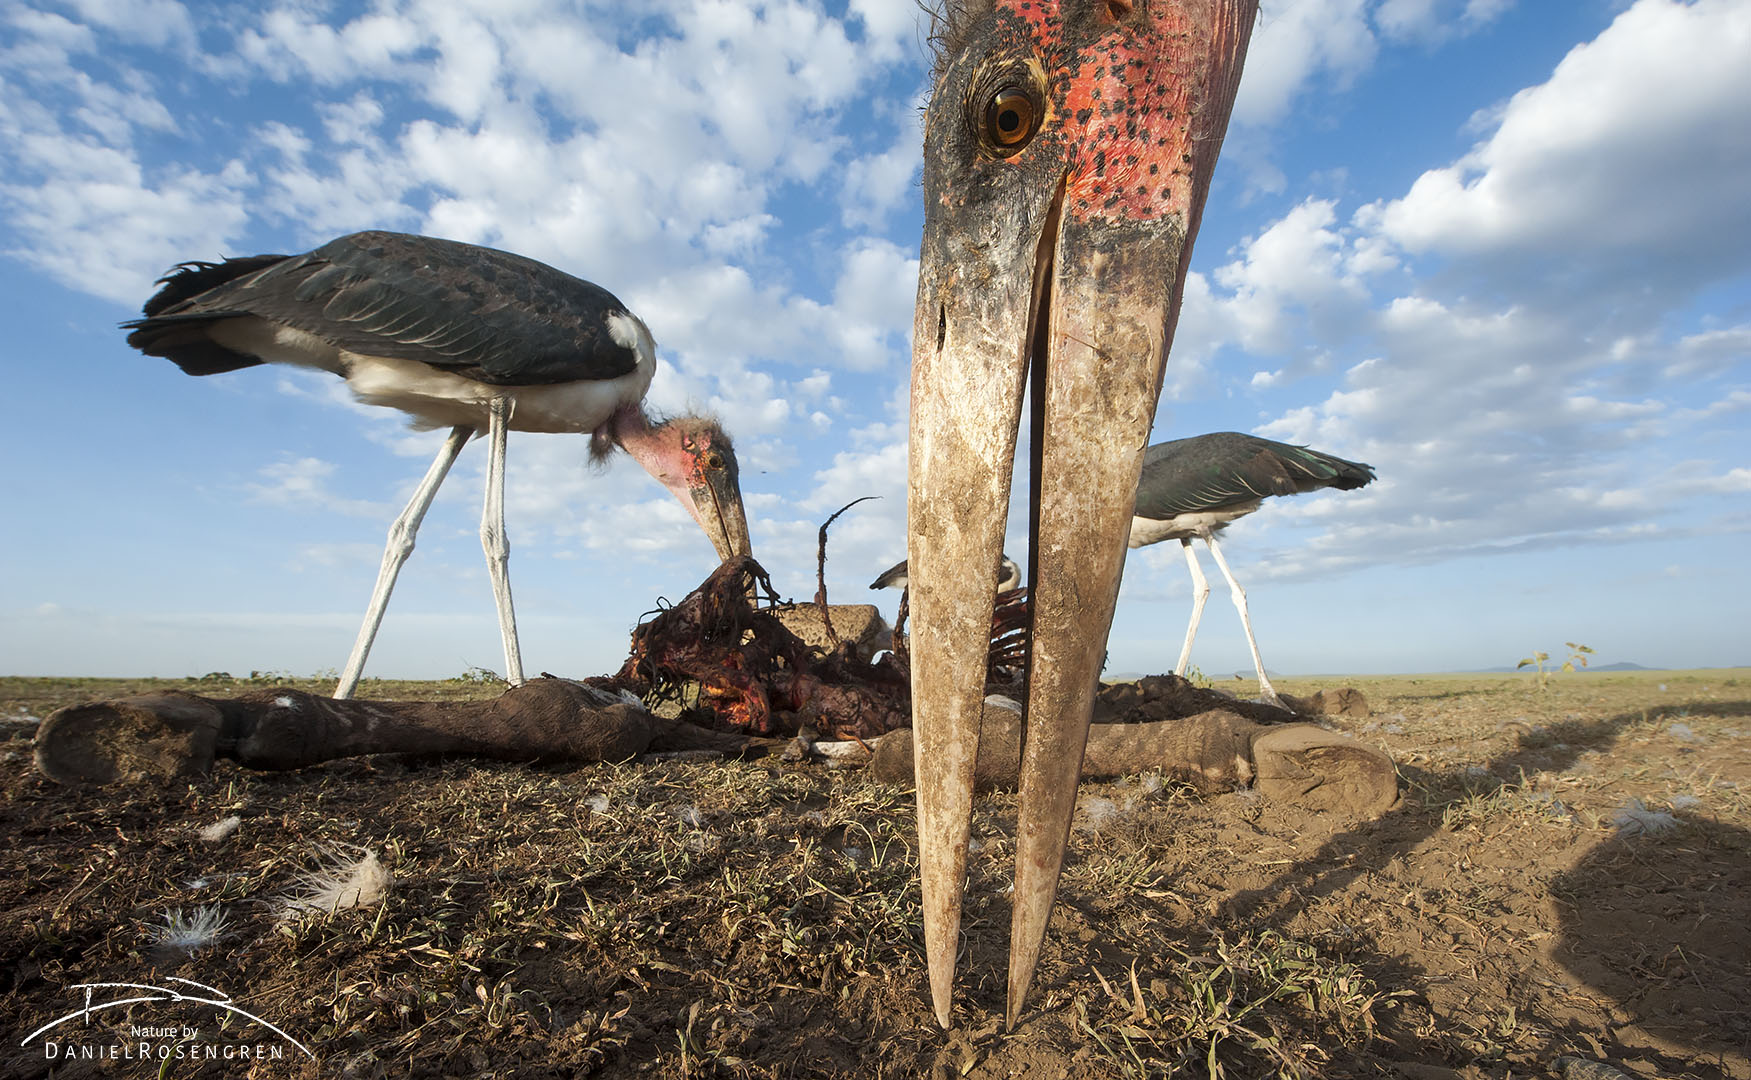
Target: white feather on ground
x=1095 y=812
x=1635 y=819
x=198 y=929
x=220 y=829
x=345 y=882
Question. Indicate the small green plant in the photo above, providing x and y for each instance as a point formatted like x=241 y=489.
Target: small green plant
x=1198 y=679
x=1577 y=657
x=476 y=676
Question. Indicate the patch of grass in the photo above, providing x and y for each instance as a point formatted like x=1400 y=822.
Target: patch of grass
x=1244 y=1007
x=1497 y=803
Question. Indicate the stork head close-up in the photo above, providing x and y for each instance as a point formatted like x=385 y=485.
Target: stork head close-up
x=1068 y=148
x=694 y=458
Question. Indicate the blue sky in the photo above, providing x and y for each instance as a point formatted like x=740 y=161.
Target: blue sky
x=1499 y=250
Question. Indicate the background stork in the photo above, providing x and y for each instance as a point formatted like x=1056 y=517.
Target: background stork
x=1068 y=147
x=895 y=576
x=1194 y=488
x=458 y=336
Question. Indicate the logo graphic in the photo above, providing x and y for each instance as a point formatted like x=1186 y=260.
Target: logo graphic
x=155 y=1042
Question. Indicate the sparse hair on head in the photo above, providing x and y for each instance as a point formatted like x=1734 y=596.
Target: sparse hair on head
x=604 y=442
x=951 y=24
x=699 y=421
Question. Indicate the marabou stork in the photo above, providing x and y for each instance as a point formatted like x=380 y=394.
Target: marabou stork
x=1068 y=147
x=895 y=576
x=1194 y=488
x=458 y=336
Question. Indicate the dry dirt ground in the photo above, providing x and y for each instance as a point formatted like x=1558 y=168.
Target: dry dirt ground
x=1567 y=878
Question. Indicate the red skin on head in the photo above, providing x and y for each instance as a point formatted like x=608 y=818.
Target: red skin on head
x=1128 y=107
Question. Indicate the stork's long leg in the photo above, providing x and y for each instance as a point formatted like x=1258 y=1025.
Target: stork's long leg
x=395 y=553
x=493 y=538
x=1200 y=593
x=1239 y=594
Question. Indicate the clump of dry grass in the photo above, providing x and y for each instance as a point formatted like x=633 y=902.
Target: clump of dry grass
x=1245 y=1007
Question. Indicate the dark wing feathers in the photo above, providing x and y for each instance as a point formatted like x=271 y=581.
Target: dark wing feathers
x=169 y=331
x=1210 y=472
x=485 y=314
x=893 y=575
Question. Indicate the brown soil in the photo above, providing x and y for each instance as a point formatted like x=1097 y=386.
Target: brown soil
x=710 y=918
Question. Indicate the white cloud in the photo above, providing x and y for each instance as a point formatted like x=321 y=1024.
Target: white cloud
x=1294 y=42
x=1631 y=159
x=103 y=227
x=1297 y=265
x=1531 y=414
x=303 y=482
x=1733 y=402
x=878 y=184
x=889 y=28
x=1711 y=352
x=148 y=22
x=46 y=38
x=1432 y=21
x=872 y=303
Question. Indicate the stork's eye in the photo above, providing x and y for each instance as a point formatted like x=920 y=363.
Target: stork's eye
x=1011 y=118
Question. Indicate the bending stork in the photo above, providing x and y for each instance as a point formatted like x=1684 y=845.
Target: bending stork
x=1195 y=488
x=458 y=336
x=1068 y=146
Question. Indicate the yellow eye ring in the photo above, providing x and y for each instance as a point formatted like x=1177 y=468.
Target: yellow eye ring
x=1011 y=118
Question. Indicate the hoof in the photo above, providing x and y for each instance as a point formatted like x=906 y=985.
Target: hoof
x=1321 y=770
x=159 y=737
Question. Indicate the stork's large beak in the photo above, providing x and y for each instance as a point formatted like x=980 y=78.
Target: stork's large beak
x=1066 y=160
x=714 y=487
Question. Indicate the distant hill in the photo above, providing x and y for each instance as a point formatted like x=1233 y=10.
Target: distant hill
x=1621 y=665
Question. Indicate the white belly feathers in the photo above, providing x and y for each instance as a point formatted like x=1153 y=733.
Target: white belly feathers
x=436 y=398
